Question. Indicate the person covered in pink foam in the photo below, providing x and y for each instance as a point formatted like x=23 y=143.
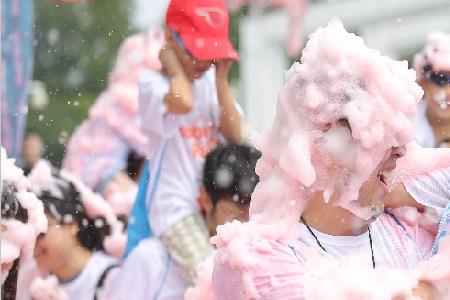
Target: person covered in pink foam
x=82 y=239
x=22 y=220
x=432 y=65
x=318 y=228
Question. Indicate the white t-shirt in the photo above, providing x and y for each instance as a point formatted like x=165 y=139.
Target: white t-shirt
x=84 y=285
x=392 y=245
x=149 y=273
x=424 y=132
x=178 y=146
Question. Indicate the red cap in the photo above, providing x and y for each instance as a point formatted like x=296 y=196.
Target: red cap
x=203 y=27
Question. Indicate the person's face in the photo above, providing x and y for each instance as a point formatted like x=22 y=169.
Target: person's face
x=225 y=211
x=374 y=190
x=438 y=99
x=32 y=149
x=54 y=247
x=194 y=68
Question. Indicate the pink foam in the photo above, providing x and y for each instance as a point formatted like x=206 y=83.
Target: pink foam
x=17 y=238
x=419 y=162
x=202 y=290
x=297 y=156
x=47 y=288
x=437 y=269
x=436 y=53
x=94 y=204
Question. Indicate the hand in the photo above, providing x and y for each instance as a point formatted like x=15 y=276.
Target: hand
x=222 y=68
x=170 y=62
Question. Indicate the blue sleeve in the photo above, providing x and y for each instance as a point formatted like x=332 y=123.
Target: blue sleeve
x=138 y=225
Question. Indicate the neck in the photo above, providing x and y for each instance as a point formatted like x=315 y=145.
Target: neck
x=333 y=220
x=72 y=264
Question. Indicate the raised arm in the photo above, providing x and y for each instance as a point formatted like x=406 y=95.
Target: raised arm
x=230 y=118
x=179 y=99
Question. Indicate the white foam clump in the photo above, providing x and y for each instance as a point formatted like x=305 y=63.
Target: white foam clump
x=95 y=205
x=18 y=238
x=98 y=148
x=435 y=53
x=202 y=290
x=44 y=288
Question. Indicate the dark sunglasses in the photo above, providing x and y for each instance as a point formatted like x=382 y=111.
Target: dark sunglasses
x=437 y=78
x=180 y=43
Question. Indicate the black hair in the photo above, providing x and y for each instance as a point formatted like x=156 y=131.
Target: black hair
x=10 y=205
x=229 y=173
x=63 y=202
x=134 y=164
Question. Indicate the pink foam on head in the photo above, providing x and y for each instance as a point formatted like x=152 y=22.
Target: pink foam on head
x=435 y=53
x=376 y=95
x=17 y=238
x=94 y=204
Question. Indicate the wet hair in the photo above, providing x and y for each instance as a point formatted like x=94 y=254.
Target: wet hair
x=10 y=205
x=63 y=203
x=229 y=173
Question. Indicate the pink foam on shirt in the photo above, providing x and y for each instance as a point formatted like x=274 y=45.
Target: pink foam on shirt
x=437 y=269
x=47 y=288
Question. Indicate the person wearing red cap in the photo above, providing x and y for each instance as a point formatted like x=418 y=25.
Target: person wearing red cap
x=187 y=110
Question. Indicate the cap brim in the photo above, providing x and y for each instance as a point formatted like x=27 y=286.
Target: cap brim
x=209 y=48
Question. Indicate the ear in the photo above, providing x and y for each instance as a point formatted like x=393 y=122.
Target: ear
x=205 y=202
